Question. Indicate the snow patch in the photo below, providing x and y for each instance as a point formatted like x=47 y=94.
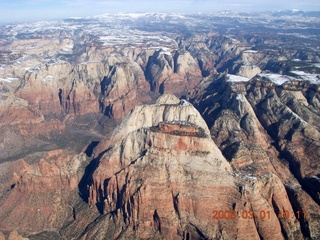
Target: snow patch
x=235 y=78
x=70 y=46
x=276 y=78
x=297 y=116
x=183 y=123
x=9 y=80
x=48 y=78
x=240 y=98
x=166 y=53
x=310 y=77
x=245 y=176
x=184 y=103
x=250 y=51
x=56 y=62
x=88 y=62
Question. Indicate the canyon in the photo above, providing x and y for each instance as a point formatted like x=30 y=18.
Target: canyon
x=142 y=126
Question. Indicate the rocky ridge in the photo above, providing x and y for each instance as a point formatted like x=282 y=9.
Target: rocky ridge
x=143 y=169
x=248 y=117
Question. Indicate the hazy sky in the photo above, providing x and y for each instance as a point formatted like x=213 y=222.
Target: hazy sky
x=31 y=10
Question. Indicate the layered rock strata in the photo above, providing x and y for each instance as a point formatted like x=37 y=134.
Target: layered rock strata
x=161 y=175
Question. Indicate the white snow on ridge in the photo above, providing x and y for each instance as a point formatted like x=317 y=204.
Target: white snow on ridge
x=166 y=53
x=137 y=15
x=298 y=76
x=250 y=51
x=132 y=15
x=235 y=78
x=310 y=77
x=276 y=78
x=116 y=36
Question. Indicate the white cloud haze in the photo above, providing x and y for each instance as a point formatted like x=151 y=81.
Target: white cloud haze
x=30 y=10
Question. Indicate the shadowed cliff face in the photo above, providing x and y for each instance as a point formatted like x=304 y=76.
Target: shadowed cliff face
x=155 y=179
x=263 y=128
x=165 y=172
x=94 y=78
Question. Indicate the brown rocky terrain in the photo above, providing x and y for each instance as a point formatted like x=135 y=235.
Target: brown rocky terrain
x=248 y=132
x=142 y=162
x=88 y=149
x=47 y=185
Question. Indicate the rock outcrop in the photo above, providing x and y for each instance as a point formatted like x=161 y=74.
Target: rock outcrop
x=122 y=89
x=139 y=183
x=139 y=198
x=248 y=71
x=38 y=197
x=248 y=117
